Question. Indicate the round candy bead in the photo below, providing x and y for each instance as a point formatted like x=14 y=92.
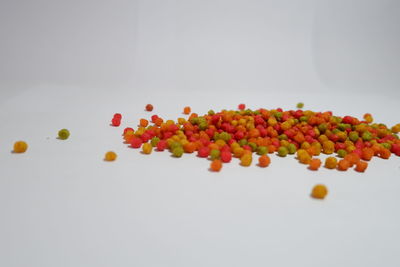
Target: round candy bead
x=186 y=110
x=203 y=152
x=110 y=156
x=314 y=164
x=343 y=165
x=300 y=105
x=367 y=153
x=226 y=156
x=144 y=122
x=291 y=148
x=246 y=159
x=63 y=134
x=361 y=166
x=262 y=150
x=177 y=152
x=342 y=153
x=136 y=142
x=264 y=161
x=147 y=148
x=283 y=151
x=161 y=145
x=384 y=153
x=20 y=147
x=115 y=122
x=319 y=191
x=214 y=154
x=117 y=116
x=330 y=163
x=149 y=107
x=216 y=165
x=241 y=106
x=128 y=129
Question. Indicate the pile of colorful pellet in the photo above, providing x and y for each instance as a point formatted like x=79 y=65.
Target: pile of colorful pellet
x=220 y=136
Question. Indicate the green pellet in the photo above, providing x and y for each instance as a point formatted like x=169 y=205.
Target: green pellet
x=291 y=148
x=283 y=151
x=342 y=153
x=262 y=150
x=63 y=134
x=154 y=141
x=177 y=152
x=214 y=154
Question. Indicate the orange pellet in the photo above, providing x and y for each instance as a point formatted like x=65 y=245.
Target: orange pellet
x=110 y=156
x=186 y=110
x=367 y=153
x=330 y=163
x=216 y=165
x=352 y=158
x=20 y=147
x=384 y=153
x=319 y=191
x=149 y=107
x=343 y=165
x=144 y=122
x=264 y=161
x=361 y=166
x=189 y=147
x=314 y=164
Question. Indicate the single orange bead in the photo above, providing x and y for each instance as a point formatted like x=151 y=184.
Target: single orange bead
x=361 y=166
x=186 y=110
x=149 y=107
x=314 y=164
x=384 y=153
x=216 y=165
x=330 y=163
x=343 y=165
x=264 y=161
x=144 y=122
x=319 y=191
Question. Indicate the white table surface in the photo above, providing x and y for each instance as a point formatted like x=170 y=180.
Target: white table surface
x=62 y=205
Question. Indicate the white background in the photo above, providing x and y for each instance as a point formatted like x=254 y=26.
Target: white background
x=74 y=64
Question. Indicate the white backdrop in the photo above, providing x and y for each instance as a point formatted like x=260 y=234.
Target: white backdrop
x=72 y=64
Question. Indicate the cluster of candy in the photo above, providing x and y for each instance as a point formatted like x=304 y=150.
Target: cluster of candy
x=221 y=136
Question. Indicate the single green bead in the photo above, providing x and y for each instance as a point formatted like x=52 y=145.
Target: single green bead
x=177 y=152
x=283 y=137
x=214 y=154
x=387 y=145
x=300 y=105
x=211 y=112
x=63 y=134
x=253 y=146
x=175 y=145
x=262 y=150
x=304 y=118
x=353 y=136
x=283 y=151
x=225 y=136
x=154 y=141
x=342 y=153
x=291 y=148
x=203 y=125
x=242 y=142
x=322 y=127
x=366 y=136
